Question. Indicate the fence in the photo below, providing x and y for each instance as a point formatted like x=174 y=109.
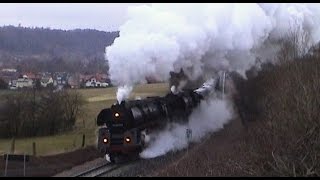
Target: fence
x=15 y=157
x=11 y=159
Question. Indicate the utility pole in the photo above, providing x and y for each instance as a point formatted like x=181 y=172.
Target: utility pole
x=33 y=110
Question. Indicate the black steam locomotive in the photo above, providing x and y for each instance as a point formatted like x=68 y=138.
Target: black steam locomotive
x=122 y=126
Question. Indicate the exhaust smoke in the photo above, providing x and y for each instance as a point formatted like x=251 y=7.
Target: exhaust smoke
x=210 y=116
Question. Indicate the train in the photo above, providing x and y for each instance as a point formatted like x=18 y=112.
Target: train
x=123 y=127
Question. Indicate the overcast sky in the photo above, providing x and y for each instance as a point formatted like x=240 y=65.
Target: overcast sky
x=100 y=16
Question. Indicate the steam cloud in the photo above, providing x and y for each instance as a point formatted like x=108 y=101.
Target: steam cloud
x=123 y=92
x=210 y=116
x=201 y=39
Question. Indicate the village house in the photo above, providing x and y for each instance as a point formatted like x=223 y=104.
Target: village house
x=60 y=80
x=12 y=84
x=34 y=77
x=93 y=82
x=23 y=82
x=97 y=80
x=45 y=81
x=74 y=81
x=9 y=70
x=9 y=75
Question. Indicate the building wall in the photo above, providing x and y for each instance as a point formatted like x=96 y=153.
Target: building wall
x=24 y=83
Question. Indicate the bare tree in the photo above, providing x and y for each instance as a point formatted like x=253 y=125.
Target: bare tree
x=295 y=44
x=72 y=104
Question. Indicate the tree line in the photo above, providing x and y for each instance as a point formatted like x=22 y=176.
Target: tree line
x=39 y=113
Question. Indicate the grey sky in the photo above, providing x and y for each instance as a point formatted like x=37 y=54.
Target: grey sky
x=101 y=16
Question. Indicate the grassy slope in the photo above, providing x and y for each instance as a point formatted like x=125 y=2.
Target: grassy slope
x=96 y=100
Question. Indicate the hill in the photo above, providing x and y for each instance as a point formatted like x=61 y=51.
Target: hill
x=44 y=49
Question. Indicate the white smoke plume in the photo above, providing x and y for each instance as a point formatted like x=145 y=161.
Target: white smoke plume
x=123 y=92
x=210 y=116
x=202 y=38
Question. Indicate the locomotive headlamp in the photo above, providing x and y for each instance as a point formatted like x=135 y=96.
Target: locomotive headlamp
x=105 y=140
x=127 y=139
x=116 y=114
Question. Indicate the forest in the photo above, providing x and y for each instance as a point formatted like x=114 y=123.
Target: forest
x=52 y=50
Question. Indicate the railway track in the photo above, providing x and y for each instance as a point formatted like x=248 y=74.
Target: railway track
x=101 y=170
x=93 y=171
x=107 y=171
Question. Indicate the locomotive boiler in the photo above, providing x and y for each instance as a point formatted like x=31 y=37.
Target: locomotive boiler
x=122 y=127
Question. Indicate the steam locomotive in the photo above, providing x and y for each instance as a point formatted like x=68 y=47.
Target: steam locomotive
x=123 y=126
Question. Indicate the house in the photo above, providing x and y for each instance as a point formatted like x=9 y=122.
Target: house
x=97 y=80
x=93 y=82
x=9 y=76
x=23 y=82
x=34 y=77
x=9 y=70
x=104 y=79
x=105 y=84
x=60 y=79
x=45 y=81
x=83 y=79
x=12 y=84
x=74 y=81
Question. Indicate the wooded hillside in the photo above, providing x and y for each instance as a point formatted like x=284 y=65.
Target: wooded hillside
x=44 y=49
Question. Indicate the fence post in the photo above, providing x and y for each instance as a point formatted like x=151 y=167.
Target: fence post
x=13 y=142
x=83 y=139
x=34 y=148
x=5 y=170
x=24 y=164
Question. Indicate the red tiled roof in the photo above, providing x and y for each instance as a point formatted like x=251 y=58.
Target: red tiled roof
x=32 y=75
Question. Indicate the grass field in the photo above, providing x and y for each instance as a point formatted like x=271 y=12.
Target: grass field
x=95 y=101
